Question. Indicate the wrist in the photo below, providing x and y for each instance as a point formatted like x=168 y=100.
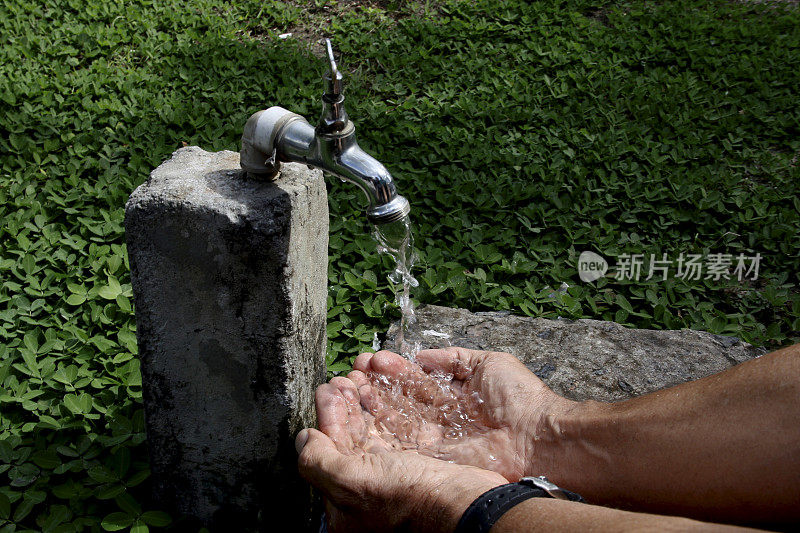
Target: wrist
x=562 y=446
x=443 y=507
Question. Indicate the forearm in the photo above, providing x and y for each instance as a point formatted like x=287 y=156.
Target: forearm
x=726 y=447
x=553 y=516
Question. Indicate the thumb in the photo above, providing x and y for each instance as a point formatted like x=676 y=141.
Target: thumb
x=301 y=440
x=318 y=460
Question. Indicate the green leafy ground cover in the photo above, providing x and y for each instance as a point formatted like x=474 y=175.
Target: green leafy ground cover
x=523 y=133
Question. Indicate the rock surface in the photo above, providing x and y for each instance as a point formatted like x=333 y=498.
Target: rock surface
x=582 y=359
x=230 y=283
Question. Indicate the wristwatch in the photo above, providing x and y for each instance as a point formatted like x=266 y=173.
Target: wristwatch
x=487 y=509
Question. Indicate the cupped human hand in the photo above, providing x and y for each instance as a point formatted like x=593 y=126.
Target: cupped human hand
x=371 y=485
x=470 y=407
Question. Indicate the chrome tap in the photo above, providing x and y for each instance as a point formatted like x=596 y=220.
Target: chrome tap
x=275 y=135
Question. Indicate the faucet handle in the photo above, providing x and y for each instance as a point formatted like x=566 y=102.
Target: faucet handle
x=334 y=119
x=333 y=77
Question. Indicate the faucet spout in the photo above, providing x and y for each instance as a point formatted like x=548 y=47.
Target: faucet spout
x=343 y=157
x=276 y=135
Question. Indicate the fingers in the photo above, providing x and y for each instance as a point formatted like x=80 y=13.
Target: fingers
x=362 y=362
x=412 y=380
x=368 y=396
x=355 y=424
x=341 y=416
x=460 y=362
x=391 y=426
x=333 y=415
x=358 y=378
x=385 y=363
x=408 y=405
x=348 y=390
x=391 y=365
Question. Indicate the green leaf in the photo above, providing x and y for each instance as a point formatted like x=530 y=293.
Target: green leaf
x=58 y=515
x=120 y=462
x=76 y=299
x=5 y=507
x=73 y=403
x=156 y=518
x=624 y=303
x=22 y=510
x=128 y=339
x=108 y=293
x=114 y=262
x=340 y=367
x=30 y=361
x=128 y=504
x=48 y=422
x=138 y=477
x=116 y=521
x=76 y=289
x=31 y=341
x=68 y=490
x=29 y=264
x=139 y=527
x=46 y=459
x=134 y=379
x=106 y=492
x=103 y=475
x=124 y=303
x=85 y=402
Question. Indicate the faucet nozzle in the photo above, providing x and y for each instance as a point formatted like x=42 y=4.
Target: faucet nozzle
x=391 y=211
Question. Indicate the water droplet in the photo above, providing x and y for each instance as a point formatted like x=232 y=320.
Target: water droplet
x=376 y=343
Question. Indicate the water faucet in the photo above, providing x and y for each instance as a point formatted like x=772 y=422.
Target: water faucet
x=276 y=135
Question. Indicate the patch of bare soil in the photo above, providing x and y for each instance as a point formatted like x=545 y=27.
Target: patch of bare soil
x=316 y=18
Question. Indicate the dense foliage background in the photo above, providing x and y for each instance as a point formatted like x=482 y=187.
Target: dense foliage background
x=522 y=132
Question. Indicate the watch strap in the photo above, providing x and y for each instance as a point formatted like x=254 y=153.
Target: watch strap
x=487 y=509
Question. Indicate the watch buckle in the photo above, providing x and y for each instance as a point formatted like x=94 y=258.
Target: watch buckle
x=541 y=482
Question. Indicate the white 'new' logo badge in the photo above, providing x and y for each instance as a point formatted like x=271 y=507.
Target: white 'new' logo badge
x=591 y=266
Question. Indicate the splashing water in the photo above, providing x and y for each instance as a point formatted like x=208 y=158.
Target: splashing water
x=401 y=411
x=396 y=239
x=434 y=415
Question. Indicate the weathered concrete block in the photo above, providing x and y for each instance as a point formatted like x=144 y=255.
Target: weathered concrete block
x=230 y=284
x=582 y=359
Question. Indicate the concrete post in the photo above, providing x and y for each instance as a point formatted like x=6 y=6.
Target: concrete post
x=229 y=279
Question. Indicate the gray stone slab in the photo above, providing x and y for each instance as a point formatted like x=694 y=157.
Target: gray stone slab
x=230 y=283
x=582 y=359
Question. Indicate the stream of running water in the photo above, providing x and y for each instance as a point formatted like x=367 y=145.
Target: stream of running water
x=396 y=239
